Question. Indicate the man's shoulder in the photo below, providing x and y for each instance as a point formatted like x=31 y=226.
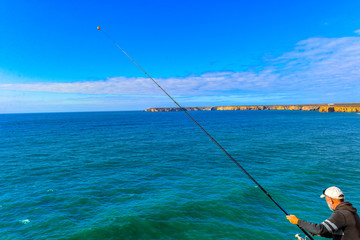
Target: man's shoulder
x=345 y=208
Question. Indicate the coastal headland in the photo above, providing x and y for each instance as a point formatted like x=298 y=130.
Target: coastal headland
x=327 y=107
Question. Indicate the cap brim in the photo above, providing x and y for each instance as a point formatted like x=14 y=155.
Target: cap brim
x=322 y=195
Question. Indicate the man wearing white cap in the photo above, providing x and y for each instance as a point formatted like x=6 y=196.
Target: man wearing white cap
x=343 y=224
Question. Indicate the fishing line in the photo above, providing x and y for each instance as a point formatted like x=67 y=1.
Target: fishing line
x=307 y=234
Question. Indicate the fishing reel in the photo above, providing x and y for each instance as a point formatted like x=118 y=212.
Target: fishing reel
x=298 y=237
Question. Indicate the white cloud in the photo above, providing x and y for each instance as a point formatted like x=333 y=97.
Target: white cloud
x=325 y=64
x=357 y=31
x=192 y=85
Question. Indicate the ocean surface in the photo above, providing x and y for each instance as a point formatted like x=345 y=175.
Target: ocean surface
x=142 y=175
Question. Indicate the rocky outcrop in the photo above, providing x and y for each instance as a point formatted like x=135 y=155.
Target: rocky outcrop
x=326 y=109
x=310 y=108
x=350 y=107
x=346 y=109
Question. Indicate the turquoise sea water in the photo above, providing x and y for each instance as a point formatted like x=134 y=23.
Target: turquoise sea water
x=140 y=175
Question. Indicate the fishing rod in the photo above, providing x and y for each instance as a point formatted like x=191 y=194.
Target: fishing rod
x=236 y=162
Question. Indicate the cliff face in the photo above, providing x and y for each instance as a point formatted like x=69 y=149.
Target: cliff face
x=315 y=107
x=326 y=109
x=346 y=109
x=339 y=109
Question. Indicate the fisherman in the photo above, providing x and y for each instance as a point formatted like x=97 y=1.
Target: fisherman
x=343 y=224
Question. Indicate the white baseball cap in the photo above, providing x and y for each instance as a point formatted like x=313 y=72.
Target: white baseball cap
x=333 y=192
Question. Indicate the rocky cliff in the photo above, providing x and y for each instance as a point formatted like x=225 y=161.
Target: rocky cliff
x=349 y=107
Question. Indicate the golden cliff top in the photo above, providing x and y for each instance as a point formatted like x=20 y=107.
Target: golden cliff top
x=329 y=107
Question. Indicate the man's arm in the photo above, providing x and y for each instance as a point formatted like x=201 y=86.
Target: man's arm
x=316 y=229
x=325 y=229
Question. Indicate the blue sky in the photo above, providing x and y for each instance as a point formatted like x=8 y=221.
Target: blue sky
x=205 y=53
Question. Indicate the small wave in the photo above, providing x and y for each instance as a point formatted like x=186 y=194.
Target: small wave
x=25 y=221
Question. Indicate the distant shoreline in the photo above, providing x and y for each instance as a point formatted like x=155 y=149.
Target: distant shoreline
x=326 y=107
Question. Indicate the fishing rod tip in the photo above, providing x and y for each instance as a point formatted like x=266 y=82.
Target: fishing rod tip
x=98 y=28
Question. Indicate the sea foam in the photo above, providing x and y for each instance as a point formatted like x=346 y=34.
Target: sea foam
x=25 y=221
